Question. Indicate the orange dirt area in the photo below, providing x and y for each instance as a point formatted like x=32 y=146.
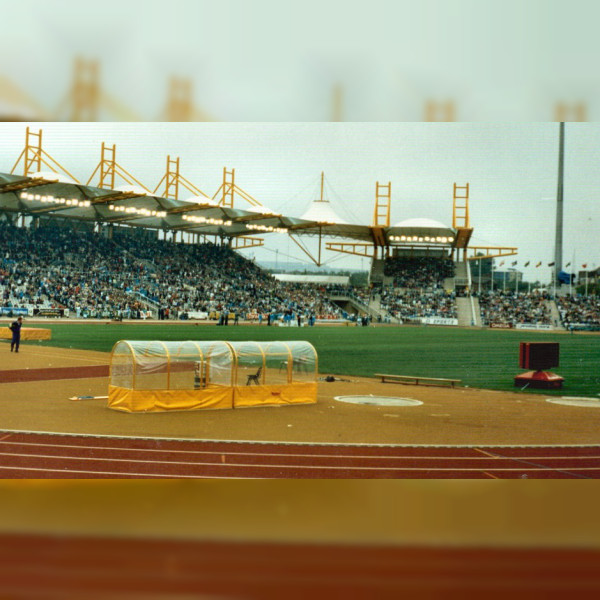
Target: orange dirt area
x=459 y=416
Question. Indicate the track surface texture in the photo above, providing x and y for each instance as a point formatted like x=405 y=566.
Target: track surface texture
x=66 y=567
x=58 y=456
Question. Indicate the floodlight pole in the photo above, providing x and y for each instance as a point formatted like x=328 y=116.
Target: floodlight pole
x=558 y=248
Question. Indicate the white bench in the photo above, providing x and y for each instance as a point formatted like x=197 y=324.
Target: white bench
x=416 y=380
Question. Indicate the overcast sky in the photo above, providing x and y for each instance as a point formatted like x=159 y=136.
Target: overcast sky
x=511 y=169
x=278 y=60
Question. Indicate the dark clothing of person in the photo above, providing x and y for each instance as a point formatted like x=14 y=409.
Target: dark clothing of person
x=15 y=327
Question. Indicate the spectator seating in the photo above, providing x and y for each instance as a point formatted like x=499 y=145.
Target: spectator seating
x=96 y=277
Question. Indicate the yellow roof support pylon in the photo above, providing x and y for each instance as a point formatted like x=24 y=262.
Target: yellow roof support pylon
x=490 y=252
x=34 y=156
x=383 y=200
x=110 y=168
x=173 y=179
x=460 y=207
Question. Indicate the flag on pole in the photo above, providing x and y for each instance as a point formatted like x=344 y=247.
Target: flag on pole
x=551 y=264
x=539 y=264
x=526 y=264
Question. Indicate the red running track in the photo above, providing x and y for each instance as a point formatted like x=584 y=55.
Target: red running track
x=42 y=566
x=33 y=455
x=54 y=373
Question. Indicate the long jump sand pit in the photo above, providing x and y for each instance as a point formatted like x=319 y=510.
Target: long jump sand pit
x=460 y=416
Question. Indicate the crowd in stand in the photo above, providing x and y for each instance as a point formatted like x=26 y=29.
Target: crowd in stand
x=134 y=275
x=513 y=308
x=419 y=272
x=408 y=304
x=579 y=311
x=55 y=267
x=417 y=290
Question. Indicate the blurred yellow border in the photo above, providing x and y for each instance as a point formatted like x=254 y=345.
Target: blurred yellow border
x=432 y=513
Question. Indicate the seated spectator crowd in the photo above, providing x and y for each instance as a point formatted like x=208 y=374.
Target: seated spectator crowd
x=135 y=275
x=419 y=272
x=59 y=267
x=417 y=289
x=513 y=308
x=409 y=304
x=579 y=310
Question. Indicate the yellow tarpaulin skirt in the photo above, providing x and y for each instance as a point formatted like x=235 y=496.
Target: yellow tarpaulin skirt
x=264 y=395
x=164 y=400
x=210 y=397
x=27 y=333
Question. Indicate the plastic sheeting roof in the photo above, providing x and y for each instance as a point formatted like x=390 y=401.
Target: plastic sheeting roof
x=421 y=223
x=43 y=195
x=422 y=231
x=322 y=212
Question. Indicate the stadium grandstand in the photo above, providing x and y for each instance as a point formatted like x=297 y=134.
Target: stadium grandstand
x=112 y=251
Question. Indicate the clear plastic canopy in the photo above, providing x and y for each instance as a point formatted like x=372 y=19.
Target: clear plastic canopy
x=182 y=365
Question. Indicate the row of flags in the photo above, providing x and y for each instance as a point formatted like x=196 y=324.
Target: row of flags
x=551 y=264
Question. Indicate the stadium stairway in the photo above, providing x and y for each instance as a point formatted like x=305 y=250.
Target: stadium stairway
x=555 y=315
x=465 y=311
x=377 y=272
x=376 y=311
x=461 y=277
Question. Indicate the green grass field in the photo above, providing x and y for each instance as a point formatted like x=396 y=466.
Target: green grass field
x=481 y=358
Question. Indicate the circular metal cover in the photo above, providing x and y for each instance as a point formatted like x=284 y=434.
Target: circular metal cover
x=576 y=401
x=379 y=400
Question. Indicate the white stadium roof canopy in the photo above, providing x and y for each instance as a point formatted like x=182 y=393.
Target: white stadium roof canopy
x=52 y=195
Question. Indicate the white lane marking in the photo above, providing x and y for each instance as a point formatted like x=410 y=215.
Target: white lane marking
x=278 y=454
x=287 y=443
x=280 y=466
x=81 y=472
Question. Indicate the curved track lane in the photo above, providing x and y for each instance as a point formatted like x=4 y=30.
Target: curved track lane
x=33 y=455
